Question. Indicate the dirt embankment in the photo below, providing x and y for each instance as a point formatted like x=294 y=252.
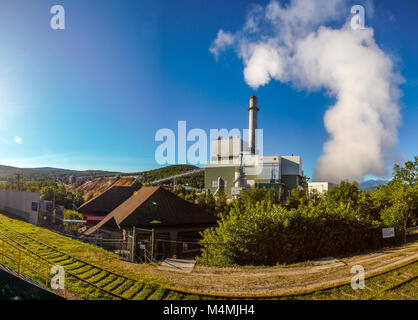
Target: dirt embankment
x=93 y=188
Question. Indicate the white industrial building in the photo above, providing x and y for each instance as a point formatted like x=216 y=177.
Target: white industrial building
x=235 y=164
x=320 y=187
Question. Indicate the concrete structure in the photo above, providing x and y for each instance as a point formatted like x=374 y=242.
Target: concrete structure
x=320 y=187
x=252 y=127
x=22 y=204
x=235 y=164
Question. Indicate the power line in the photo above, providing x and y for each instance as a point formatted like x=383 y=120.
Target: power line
x=19 y=181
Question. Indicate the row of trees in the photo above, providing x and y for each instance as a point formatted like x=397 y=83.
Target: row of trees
x=49 y=190
x=261 y=228
x=62 y=196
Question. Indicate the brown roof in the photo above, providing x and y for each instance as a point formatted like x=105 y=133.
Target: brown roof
x=155 y=204
x=106 y=202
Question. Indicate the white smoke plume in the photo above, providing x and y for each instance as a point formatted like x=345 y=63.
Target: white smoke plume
x=294 y=45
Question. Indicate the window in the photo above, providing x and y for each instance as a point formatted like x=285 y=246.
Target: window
x=34 y=206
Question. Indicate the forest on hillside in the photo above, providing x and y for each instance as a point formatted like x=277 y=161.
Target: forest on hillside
x=8 y=173
x=196 y=180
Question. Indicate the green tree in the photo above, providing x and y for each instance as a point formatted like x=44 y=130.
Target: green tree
x=47 y=193
x=221 y=206
x=62 y=196
x=78 y=197
x=254 y=195
x=72 y=215
x=403 y=202
x=297 y=198
x=399 y=198
x=368 y=207
x=407 y=174
x=266 y=234
x=346 y=193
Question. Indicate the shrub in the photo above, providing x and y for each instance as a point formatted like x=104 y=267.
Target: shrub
x=72 y=215
x=267 y=234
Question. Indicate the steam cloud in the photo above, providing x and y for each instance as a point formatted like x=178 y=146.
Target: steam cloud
x=292 y=44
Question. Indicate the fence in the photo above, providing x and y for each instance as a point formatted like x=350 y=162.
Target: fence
x=187 y=249
x=166 y=248
x=23 y=260
x=39 y=259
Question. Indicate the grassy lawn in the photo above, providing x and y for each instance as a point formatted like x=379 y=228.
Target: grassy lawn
x=376 y=288
x=80 y=250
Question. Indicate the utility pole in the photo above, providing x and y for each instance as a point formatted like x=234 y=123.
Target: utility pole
x=152 y=244
x=133 y=244
x=19 y=181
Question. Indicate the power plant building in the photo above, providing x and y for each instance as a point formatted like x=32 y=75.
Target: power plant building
x=236 y=164
x=320 y=187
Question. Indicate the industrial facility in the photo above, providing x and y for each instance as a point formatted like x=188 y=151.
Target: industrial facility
x=236 y=164
x=320 y=187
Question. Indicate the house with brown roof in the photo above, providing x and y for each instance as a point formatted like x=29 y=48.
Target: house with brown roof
x=156 y=214
x=96 y=209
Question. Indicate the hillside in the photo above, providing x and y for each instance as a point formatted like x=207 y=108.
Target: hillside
x=196 y=180
x=371 y=185
x=94 y=187
x=8 y=173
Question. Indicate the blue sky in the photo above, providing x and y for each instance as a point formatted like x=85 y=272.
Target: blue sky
x=92 y=96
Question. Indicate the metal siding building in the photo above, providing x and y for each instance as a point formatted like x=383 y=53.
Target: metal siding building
x=236 y=164
x=269 y=174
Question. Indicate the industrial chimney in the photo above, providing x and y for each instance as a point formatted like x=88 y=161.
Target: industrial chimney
x=253 y=123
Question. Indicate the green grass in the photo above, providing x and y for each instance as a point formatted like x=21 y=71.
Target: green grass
x=375 y=288
x=148 y=287
x=79 y=250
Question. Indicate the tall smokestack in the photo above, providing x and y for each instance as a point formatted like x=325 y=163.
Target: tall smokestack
x=253 y=123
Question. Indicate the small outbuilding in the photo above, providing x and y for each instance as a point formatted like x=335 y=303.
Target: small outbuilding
x=156 y=222
x=96 y=209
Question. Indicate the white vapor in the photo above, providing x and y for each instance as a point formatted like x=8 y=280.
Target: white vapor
x=293 y=44
x=223 y=41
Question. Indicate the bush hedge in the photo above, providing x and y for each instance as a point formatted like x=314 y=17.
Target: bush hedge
x=268 y=234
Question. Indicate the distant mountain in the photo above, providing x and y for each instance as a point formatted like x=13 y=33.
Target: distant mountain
x=8 y=173
x=49 y=169
x=371 y=185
